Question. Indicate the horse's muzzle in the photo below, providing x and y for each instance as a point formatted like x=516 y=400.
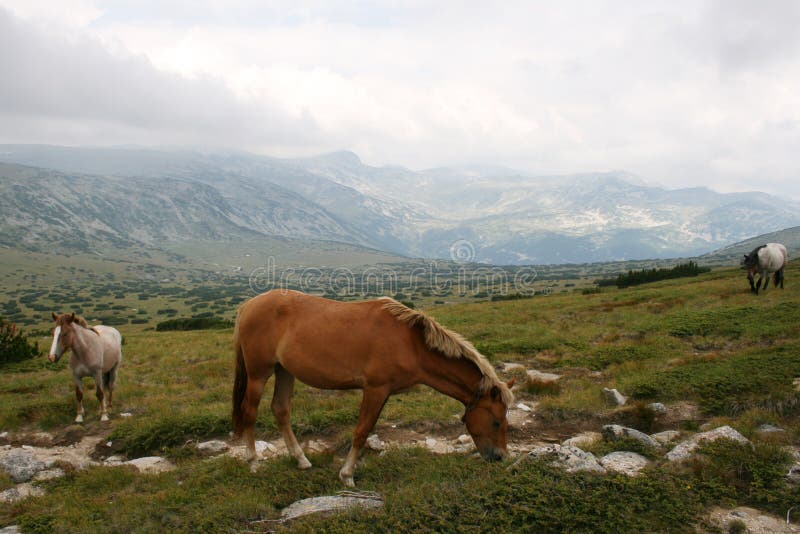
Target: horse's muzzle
x=493 y=454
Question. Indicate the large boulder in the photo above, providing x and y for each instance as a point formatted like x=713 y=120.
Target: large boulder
x=685 y=449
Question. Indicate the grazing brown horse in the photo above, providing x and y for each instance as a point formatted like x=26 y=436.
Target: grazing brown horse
x=96 y=352
x=379 y=346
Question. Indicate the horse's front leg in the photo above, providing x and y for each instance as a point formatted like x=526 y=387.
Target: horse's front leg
x=371 y=406
x=101 y=398
x=79 y=397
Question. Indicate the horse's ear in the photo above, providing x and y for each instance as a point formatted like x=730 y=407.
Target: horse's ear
x=72 y=317
x=55 y=317
x=495 y=392
x=511 y=382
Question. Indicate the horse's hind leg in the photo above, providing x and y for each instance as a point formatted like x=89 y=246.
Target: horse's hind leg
x=109 y=381
x=282 y=410
x=99 y=380
x=79 y=397
x=252 y=397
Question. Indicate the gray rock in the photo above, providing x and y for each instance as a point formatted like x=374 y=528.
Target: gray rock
x=657 y=408
x=11 y=529
x=331 y=504
x=583 y=439
x=615 y=397
x=685 y=449
x=627 y=463
x=666 y=437
x=20 y=492
x=212 y=447
x=21 y=465
x=540 y=377
x=767 y=428
x=570 y=458
x=617 y=432
x=49 y=474
x=151 y=464
x=375 y=443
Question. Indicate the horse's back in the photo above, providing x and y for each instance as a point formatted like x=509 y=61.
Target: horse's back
x=773 y=257
x=112 y=345
x=325 y=343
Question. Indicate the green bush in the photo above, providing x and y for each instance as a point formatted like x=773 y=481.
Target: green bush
x=14 y=345
x=194 y=323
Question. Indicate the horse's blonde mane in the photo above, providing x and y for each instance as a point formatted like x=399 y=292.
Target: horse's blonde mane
x=450 y=344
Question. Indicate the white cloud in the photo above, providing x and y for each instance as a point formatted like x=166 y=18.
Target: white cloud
x=684 y=93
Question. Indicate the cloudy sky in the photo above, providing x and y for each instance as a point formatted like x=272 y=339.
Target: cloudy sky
x=679 y=92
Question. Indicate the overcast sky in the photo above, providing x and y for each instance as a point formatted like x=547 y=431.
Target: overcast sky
x=681 y=93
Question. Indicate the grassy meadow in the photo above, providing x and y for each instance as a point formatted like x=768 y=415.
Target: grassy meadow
x=704 y=343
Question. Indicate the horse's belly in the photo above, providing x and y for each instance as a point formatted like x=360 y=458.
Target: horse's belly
x=324 y=373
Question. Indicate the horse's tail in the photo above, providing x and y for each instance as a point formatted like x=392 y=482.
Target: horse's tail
x=239 y=381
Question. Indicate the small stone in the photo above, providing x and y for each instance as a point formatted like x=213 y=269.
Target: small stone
x=509 y=367
x=151 y=464
x=126 y=414
x=316 y=446
x=524 y=407
x=430 y=443
x=793 y=475
x=11 y=529
x=109 y=443
x=583 y=439
x=657 y=408
x=615 y=397
x=617 y=432
x=666 y=437
x=212 y=447
x=3 y=435
x=375 y=443
x=49 y=474
x=114 y=460
x=464 y=439
x=767 y=428
x=627 y=463
x=331 y=504
x=264 y=446
x=535 y=376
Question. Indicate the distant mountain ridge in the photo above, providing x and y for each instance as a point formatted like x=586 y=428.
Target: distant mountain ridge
x=501 y=216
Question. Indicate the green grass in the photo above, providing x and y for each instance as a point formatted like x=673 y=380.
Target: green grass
x=706 y=341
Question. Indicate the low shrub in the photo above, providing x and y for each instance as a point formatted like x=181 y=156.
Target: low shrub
x=14 y=345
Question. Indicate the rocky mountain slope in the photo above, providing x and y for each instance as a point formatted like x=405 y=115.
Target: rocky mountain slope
x=489 y=214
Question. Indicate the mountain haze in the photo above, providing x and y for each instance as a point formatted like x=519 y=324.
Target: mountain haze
x=135 y=195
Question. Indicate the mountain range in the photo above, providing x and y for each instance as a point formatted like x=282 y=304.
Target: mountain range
x=85 y=198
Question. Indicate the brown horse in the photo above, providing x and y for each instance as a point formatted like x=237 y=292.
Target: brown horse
x=96 y=352
x=379 y=346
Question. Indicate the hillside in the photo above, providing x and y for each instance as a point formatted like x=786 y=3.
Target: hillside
x=709 y=350
x=495 y=215
x=734 y=252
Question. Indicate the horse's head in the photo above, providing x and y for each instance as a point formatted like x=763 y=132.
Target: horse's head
x=63 y=334
x=487 y=424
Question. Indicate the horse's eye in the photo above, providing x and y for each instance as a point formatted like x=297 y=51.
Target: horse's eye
x=496 y=424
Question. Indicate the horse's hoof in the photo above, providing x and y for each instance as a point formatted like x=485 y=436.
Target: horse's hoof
x=104 y=417
x=303 y=463
x=347 y=480
x=79 y=419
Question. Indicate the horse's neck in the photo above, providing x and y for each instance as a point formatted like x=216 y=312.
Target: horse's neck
x=83 y=342
x=455 y=377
